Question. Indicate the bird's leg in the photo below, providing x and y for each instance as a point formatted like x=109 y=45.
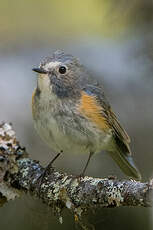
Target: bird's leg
x=49 y=166
x=54 y=159
x=83 y=172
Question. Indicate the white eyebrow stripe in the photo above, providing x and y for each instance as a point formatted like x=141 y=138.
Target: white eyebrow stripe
x=52 y=65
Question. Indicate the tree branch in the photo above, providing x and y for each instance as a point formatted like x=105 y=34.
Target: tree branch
x=19 y=173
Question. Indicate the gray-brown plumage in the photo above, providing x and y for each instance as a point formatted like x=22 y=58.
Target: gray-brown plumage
x=72 y=114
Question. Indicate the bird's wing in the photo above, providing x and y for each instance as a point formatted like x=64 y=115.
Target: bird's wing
x=94 y=105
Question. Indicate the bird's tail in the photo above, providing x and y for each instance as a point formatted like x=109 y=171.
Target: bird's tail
x=125 y=161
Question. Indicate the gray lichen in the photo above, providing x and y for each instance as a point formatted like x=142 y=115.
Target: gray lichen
x=59 y=190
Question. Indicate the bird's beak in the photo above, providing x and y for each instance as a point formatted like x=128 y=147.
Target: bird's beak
x=39 y=70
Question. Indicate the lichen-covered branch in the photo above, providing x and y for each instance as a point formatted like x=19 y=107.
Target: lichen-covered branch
x=19 y=173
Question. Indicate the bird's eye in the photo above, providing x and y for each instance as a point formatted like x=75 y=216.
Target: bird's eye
x=62 y=69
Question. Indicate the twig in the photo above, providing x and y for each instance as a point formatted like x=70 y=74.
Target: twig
x=20 y=173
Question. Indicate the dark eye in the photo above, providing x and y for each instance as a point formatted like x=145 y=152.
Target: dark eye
x=62 y=69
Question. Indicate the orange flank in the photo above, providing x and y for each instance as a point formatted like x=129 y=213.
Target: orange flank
x=90 y=109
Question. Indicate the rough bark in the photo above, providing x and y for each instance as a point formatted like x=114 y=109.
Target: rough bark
x=19 y=173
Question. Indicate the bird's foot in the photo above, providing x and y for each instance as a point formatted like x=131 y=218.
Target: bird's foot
x=48 y=169
x=112 y=177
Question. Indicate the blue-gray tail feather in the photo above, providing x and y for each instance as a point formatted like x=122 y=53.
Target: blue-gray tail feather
x=122 y=156
x=127 y=165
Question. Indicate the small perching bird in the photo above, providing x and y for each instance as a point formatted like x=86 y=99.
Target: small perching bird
x=71 y=113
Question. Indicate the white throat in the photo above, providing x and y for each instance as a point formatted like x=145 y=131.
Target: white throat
x=43 y=82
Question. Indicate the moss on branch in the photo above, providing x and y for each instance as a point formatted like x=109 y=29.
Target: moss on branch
x=19 y=173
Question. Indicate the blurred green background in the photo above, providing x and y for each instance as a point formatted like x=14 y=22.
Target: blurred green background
x=114 y=39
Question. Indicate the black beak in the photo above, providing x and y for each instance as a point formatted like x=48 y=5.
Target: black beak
x=39 y=70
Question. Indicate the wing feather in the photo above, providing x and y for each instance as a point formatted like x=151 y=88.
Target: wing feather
x=107 y=112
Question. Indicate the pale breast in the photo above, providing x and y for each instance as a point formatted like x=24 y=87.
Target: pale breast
x=64 y=129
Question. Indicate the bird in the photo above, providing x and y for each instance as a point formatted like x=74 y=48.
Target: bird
x=72 y=115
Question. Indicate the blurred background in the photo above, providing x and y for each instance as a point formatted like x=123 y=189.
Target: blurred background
x=114 y=39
